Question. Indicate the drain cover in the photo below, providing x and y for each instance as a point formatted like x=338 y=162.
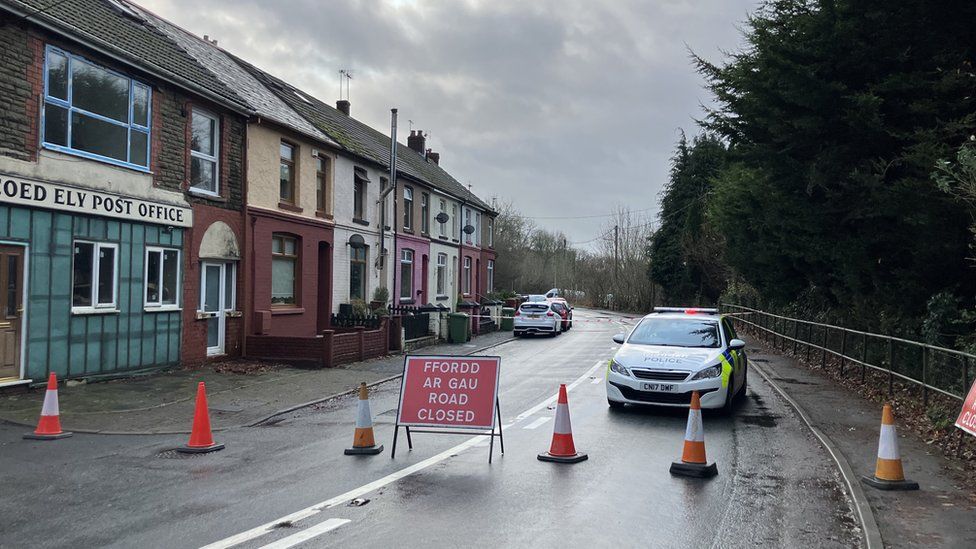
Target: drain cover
x=173 y=454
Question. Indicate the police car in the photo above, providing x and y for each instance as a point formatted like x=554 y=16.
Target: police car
x=674 y=351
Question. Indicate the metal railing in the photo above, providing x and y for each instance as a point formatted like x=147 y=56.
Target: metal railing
x=944 y=371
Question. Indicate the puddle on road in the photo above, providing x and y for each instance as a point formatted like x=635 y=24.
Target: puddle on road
x=764 y=420
x=794 y=381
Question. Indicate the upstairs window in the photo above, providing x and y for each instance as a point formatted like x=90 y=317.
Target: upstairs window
x=408 y=208
x=286 y=187
x=93 y=112
x=491 y=232
x=204 y=145
x=359 y=194
x=467 y=223
x=323 y=191
x=425 y=213
x=477 y=228
x=454 y=221
x=443 y=211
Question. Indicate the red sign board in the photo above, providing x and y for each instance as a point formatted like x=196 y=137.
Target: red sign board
x=449 y=391
x=967 y=417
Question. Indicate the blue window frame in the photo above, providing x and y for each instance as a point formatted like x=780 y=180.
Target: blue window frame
x=95 y=113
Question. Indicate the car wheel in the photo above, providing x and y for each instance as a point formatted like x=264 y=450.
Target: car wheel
x=614 y=404
x=730 y=399
x=745 y=382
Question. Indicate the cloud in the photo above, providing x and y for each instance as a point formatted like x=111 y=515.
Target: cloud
x=566 y=107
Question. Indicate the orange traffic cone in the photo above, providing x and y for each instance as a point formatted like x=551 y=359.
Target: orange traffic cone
x=49 y=426
x=888 y=473
x=363 y=442
x=693 y=462
x=201 y=438
x=562 y=449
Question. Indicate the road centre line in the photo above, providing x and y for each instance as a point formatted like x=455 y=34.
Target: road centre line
x=307 y=534
x=268 y=527
x=537 y=423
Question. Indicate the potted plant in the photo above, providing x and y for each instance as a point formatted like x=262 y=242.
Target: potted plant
x=380 y=296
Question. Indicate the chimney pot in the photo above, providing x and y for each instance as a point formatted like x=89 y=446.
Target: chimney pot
x=434 y=157
x=343 y=106
x=416 y=141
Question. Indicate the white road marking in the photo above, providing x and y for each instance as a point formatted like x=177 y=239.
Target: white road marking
x=307 y=534
x=264 y=529
x=537 y=423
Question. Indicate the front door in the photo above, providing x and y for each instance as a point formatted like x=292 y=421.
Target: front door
x=216 y=299
x=11 y=310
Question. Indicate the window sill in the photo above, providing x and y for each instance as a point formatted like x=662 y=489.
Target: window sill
x=408 y=230
x=442 y=298
x=358 y=221
x=287 y=311
x=206 y=195
x=289 y=207
x=87 y=311
x=323 y=215
x=96 y=157
x=407 y=301
x=163 y=309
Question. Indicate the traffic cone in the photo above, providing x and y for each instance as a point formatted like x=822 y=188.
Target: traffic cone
x=693 y=462
x=201 y=438
x=363 y=442
x=49 y=426
x=888 y=473
x=562 y=449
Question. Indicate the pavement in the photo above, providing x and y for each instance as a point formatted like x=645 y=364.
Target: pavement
x=287 y=483
x=163 y=403
x=940 y=514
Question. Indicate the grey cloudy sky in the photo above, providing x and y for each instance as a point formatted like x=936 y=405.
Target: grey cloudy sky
x=566 y=107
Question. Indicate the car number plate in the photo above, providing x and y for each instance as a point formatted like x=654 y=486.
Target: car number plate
x=664 y=387
x=533 y=316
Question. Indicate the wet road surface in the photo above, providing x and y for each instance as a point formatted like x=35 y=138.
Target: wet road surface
x=776 y=486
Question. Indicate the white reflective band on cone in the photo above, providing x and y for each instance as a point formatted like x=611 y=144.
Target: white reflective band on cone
x=888 y=447
x=562 y=425
x=694 y=431
x=363 y=417
x=50 y=407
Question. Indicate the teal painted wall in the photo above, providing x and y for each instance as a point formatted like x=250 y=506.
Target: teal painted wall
x=85 y=345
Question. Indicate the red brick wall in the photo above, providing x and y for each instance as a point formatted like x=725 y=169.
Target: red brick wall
x=346 y=348
x=194 y=348
x=302 y=350
x=301 y=320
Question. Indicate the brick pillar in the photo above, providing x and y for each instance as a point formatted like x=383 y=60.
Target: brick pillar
x=360 y=337
x=396 y=328
x=328 y=348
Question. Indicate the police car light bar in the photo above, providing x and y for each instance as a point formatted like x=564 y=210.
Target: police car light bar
x=686 y=310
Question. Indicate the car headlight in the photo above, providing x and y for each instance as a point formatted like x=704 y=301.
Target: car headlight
x=616 y=367
x=708 y=373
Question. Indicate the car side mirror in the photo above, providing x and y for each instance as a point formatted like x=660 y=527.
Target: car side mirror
x=619 y=338
x=737 y=344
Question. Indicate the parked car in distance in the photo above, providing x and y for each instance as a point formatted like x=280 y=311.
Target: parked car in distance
x=553 y=293
x=535 y=298
x=537 y=318
x=565 y=311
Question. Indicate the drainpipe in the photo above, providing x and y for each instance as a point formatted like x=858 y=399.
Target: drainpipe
x=394 y=298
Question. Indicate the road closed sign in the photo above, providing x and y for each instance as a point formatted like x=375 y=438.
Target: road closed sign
x=967 y=417
x=451 y=392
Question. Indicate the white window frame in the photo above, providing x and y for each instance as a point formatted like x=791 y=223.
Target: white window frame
x=477 y=228
x=491 y=276
x=159 y=305
x=407 y=208
x=467 y=221
x=203 y=156
x=406 y=258
x=491 y=232
x=467 y=276
x=454 y=222
x=425 y=213
x=441 y=275
x=443 y=230
x=95 y=305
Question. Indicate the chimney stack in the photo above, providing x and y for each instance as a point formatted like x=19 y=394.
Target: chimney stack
x=343 y=106
x=434 y=157
x=416 y=141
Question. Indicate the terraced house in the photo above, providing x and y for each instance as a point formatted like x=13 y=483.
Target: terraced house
x=163 y=202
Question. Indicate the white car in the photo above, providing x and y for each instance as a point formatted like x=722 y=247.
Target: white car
x=537 y=318
x=672 y=352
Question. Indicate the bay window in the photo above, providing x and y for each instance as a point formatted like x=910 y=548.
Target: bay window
x=93 y=112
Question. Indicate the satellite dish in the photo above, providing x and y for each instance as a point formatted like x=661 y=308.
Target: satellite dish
x=442 y=218
x=357 y=241
x=468 y=229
